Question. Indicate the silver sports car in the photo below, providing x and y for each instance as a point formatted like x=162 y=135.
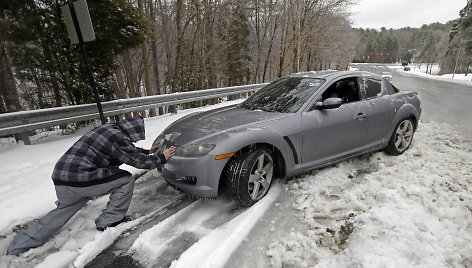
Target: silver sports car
x=296 y=123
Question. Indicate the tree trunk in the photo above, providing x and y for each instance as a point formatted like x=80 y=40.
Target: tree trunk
x=201 y=49
x=180 y=40
x=155 y=58
x=56 y=89
x=209 y=43
x=2 y=104
x=269 y=51
x=7 y=83
x=147 y=79
x=121 y=88
x=131 y=79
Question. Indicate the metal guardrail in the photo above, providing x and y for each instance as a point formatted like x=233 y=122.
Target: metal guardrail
x=19 y=123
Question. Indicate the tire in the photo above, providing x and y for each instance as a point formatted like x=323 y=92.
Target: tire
x=401 y=138
x=249 y=175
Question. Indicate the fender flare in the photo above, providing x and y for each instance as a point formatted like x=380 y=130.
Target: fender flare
x=236 y=140
x=405 y=111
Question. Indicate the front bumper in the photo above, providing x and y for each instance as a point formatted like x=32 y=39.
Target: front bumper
x=195 y=176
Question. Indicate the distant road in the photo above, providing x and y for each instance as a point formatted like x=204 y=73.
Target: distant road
x=442 y=101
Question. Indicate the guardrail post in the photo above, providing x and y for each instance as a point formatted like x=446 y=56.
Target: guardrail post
x=118 y=117
x=24 y=137
x=173 y=109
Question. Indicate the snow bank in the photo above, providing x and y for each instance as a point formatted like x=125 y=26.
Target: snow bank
x=384 y=211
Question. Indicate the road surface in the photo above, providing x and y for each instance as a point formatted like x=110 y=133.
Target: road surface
x=442 y=101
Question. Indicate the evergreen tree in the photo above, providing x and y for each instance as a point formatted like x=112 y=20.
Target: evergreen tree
x=50 y=66
x=236 y=39
x=380 y=46
x=462 y=28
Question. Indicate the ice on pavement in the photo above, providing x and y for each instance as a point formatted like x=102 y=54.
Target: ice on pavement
x=371 y=211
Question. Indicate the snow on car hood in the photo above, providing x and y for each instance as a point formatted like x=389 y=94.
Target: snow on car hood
x=202 y=125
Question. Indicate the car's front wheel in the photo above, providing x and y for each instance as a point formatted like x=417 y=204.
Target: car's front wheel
x=249 y=175
x=401 y=138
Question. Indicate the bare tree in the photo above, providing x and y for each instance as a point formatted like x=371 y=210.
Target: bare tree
x=9 y=99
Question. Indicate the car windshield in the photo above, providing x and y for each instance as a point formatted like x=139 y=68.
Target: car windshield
x=285 y=95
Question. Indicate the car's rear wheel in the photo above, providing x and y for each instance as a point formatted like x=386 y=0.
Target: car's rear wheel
x=401 y=137
x=249 y=175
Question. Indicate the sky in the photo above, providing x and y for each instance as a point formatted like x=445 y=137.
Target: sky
x=402 y=13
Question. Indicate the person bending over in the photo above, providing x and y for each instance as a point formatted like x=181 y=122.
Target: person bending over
x=90 y=168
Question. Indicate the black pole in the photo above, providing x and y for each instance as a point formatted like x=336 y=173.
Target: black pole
x=87 y=65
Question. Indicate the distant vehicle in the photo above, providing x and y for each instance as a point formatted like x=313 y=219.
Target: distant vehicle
x=406 y=68
x=404 y=63
x=387 y=75
x=296 y=123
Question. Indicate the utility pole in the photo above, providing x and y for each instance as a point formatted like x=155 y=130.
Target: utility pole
x=457 y=60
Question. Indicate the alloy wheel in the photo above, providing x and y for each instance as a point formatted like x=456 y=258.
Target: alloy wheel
x=403 y=135
x=260 y=177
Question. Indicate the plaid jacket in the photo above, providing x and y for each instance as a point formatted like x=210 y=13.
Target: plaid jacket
x=95 y=158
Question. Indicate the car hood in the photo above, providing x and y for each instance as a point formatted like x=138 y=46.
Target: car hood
x=203 y=125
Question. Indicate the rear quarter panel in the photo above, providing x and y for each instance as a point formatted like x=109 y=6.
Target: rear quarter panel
x=406 y=104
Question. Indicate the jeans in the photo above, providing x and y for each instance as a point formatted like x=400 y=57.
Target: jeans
x=69 y=201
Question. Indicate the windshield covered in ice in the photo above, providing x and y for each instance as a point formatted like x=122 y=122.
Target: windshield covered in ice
x=285 y=95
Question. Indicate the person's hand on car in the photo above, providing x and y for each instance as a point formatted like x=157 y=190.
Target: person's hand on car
x=154 y=147
x=169 y=152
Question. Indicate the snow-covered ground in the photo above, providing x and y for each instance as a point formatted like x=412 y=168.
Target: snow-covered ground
x=384 y=211
x=371 y=211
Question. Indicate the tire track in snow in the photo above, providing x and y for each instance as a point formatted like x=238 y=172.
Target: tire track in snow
x=204 y=234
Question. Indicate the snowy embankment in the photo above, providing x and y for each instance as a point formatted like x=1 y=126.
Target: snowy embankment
x=385 y=211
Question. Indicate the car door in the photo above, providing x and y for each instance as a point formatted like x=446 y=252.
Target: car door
x=381 y=109
x=329 y=134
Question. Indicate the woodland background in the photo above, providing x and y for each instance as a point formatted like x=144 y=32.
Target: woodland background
x=149 y=47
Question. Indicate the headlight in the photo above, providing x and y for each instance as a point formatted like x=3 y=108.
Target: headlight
x=195 y=150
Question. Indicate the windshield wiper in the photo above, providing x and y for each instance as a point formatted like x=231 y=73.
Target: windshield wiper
x=248 y=107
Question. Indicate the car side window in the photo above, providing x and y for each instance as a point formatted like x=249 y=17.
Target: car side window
x=373 y=88
x=391 y=89
x=347 y=89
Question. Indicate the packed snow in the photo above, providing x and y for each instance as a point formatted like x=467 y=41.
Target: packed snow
x=384 y=211
x=371 y=211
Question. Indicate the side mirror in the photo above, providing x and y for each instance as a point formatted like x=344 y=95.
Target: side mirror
x=329 y=103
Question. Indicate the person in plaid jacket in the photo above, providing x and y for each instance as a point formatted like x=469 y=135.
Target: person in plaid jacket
x=90 y=168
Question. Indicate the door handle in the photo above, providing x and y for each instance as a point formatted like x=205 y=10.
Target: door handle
x=361 y=116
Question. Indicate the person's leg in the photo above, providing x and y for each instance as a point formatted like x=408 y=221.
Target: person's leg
x=68 y=203
x=118 y=205
x=121 y=191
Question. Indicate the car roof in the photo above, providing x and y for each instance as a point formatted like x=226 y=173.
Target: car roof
x=331 y=74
